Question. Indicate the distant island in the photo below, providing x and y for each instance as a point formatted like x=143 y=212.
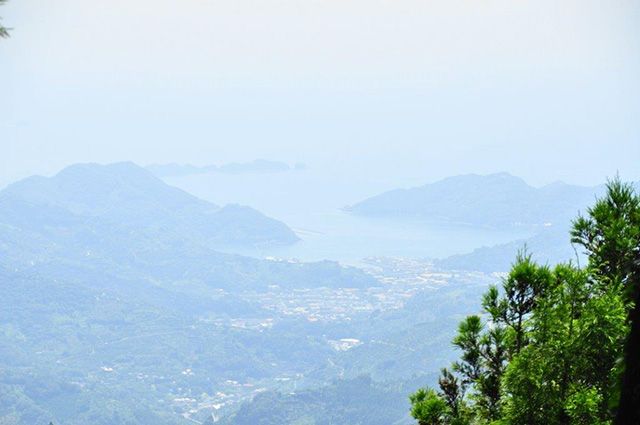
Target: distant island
x=258 y=166
x=494 y=200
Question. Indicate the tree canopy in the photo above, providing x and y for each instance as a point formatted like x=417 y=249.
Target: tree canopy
x=554 y=345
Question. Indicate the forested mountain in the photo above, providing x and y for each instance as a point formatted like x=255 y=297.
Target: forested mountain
x=496 y=201
x=120 y=220
x=492 y=200
x=401 y=350
x=550 y=245
x=134 y=321
x=358 y=401
x=112 y=292
x=130 y=320
x=128 y=198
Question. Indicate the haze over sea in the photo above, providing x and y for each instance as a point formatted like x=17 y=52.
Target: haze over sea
x=311 y=201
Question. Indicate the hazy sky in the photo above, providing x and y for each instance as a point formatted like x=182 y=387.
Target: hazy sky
x=544 y=89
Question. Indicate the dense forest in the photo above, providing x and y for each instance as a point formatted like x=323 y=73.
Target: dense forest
x=554 y=345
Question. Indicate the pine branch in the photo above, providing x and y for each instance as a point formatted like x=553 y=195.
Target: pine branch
x=4 y=32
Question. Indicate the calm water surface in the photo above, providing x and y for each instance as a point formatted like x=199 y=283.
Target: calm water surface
x=311 y=204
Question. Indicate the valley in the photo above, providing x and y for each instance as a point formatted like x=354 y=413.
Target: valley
x=106 y=302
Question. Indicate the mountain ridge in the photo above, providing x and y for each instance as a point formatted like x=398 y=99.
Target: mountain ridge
x=133 y=197
x=487 y=200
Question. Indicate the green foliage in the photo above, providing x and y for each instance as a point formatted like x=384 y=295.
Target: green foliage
x=468 y=340
x=610 y=236
x=452 y=392
x=522 y=287
x=551 y=348
x=427 y=407
x=494 y=355
x=583 y=407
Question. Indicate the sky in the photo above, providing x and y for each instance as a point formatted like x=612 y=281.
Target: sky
x=392 y=90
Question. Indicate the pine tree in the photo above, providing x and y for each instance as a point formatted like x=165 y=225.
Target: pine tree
x=610 y=236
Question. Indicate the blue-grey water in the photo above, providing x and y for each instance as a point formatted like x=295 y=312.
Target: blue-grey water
x=311 y=203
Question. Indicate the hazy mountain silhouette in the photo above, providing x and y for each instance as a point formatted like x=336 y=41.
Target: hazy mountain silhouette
x=491 y=200
x=132 y=198
x=120 y=220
